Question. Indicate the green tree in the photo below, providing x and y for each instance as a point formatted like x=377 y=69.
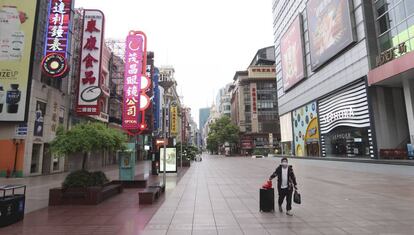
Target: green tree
x=86 y=137
x=222 y=131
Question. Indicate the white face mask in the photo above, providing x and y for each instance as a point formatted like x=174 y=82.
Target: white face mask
x=284 y=164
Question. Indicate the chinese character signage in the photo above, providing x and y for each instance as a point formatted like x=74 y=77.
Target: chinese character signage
x=174 y=119
x=330 y=29
x=291 y=50
x=17 y=21
x=90 y=63
x=134 y=59
x=54 y=62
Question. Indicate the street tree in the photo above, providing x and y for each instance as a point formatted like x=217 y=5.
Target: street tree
x=85 y=138
x=222 y=131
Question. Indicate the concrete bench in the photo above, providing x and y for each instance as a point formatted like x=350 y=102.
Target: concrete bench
x=149 y=195
x=111 y=190
x=159 y=185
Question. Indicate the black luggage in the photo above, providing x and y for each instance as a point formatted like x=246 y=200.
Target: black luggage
x=267 y=200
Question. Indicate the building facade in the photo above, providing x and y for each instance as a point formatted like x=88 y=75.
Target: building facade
x=336 y=88
x=223 y=101
x=254 y=103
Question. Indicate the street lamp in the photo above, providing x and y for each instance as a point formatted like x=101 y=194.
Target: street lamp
x=166 y=83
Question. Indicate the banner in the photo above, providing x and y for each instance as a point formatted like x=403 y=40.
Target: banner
x=17 y=22
x=174 y=119
x=330 y=29
x=134 y=56
x=39 y=118
x=90 y=63
x=291 y=47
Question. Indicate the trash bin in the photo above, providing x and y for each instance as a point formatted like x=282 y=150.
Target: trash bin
x=12 y=204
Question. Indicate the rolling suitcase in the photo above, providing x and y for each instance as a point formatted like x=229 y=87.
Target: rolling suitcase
x=267 y=200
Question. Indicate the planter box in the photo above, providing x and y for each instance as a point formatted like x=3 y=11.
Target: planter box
x=131 y=183
x=83 y=196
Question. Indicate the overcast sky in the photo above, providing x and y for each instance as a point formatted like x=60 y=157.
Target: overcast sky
x=206 y=41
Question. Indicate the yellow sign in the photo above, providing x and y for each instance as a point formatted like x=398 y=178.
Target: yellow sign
x=17 y=21
x=173 y=119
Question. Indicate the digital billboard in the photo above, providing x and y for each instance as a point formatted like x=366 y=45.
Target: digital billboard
x=291 y=49
x=17 y=24
x=330 y=29
x=171 y=160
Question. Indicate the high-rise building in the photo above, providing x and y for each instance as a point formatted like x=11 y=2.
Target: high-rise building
x=344 y=85
x=223 y=101
x=254 y=103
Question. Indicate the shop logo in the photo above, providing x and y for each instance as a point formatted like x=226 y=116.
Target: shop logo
x=342 y=114
x=312 y=131
x=91 y=93
x=54 y=65
x=8 y=74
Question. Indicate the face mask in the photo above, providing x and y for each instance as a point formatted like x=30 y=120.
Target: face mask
x=284 y=164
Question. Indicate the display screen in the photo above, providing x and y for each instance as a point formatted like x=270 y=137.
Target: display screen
x=171 y=160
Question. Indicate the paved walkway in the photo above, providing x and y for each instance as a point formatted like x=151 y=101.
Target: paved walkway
x=37 y=194
x=220 y=196
x=121 y=215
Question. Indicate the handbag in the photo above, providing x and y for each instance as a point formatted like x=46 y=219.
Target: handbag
x=296 y=197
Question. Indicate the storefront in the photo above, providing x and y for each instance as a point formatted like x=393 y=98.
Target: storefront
x=345 y=125
x=306 y=130
x=286 y=134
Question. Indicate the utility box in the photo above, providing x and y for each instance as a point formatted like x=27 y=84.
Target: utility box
x=126 y=160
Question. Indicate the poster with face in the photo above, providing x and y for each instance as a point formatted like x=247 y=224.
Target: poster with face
x=330 y=29
x=39 y=118
x=291 y=46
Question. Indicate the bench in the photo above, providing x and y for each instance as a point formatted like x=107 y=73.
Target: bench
x=149 y=195
x=111 y=190
x=159 y=185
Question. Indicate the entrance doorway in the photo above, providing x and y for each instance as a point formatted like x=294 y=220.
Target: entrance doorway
x=312 y=149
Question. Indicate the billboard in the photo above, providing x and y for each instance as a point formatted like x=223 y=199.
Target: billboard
x=305 y=128
x=39 y=118
x=291 y=49
x=330 y=29
x=171 y=160
x=17 y=24
x=89 y=89
x=134 y=56
x=54 y=62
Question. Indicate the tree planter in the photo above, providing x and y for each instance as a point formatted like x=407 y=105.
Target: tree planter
x=83 y=196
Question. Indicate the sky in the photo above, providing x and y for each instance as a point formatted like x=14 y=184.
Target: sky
x=206 y=41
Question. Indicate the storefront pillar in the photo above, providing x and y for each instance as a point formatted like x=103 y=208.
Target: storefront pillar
x=408 y=97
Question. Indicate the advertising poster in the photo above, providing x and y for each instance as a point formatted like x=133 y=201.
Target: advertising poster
x=305 y=128
x=90 y=63
x=17 y=22
x=171 y=160
x=291 y=47
x=330 y=29
x=39 y=118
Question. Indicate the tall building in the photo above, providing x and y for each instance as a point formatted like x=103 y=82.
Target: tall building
x=203 y=115
x=344 y=84
x=223 y=101
x=254 y=103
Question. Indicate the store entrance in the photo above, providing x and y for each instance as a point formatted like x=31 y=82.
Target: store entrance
x=312 y=149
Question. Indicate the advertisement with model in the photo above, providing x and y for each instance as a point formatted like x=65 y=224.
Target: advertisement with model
x=17 y=23
x=330 y=29
x=171 y=160
x=291 y=47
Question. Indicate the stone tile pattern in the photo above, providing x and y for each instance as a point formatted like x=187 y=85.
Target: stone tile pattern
x=221 y=196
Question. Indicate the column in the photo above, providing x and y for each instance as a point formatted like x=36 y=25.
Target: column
x=408 y=97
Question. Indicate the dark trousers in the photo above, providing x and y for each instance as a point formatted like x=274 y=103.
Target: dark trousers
x=285 y=192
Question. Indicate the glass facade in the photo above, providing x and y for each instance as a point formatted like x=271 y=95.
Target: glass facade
x=395 y=23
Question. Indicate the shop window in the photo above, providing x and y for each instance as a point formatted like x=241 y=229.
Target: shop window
x=34 y=165
x=399 y=11
x=385 y=42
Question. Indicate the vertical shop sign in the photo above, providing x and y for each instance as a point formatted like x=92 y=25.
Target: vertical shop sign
x=174 y=119
x=134 y=54
x=54 y=62
x=90 y=63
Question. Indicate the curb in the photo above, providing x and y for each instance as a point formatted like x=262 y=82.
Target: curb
x=372 y=161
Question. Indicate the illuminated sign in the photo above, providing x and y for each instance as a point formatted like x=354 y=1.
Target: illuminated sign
x=90 y=63
x=134 y=60
x=174 y=119
x=54 y=63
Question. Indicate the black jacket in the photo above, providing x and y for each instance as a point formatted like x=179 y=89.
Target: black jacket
x=278 y=174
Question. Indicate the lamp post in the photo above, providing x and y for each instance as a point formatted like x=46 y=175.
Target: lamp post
x=165 y=83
